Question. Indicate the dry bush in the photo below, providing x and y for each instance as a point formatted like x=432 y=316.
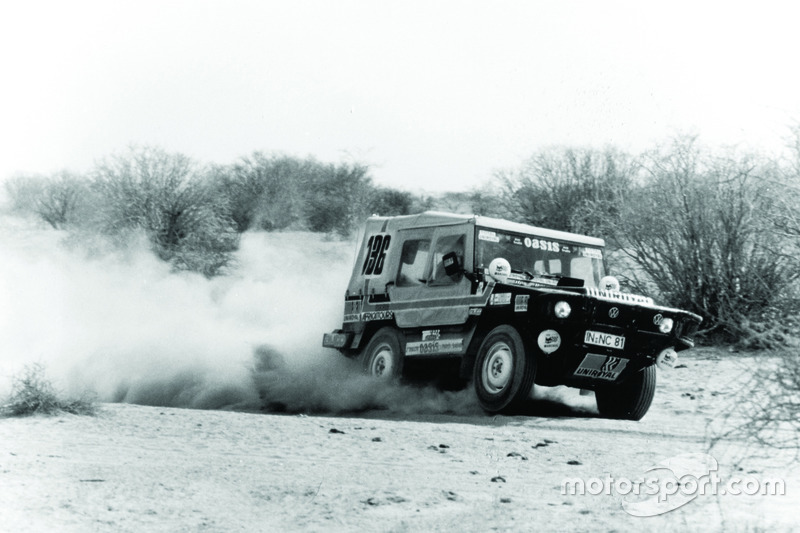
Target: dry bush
x=700 y=229
x=556 y=188
x=32 y=393
x=172 y=201
x=766 y=413
x=337 y=197
x=264 y=192
x=56 y=199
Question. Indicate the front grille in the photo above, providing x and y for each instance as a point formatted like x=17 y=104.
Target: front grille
x=615 y=296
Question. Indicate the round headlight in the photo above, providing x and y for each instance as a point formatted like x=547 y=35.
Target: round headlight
x=562 y=309
x=666 y=325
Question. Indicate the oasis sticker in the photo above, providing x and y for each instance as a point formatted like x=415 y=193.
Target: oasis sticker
x=434 y=347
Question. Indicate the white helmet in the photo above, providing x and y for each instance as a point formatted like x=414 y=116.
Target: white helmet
x=499 y=269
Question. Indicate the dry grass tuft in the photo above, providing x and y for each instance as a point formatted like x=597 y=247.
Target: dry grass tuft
x=32 y=393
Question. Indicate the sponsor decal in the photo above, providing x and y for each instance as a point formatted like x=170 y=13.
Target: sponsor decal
x=501 y=298
x=377 y=315
x=490 y=236
x=594 y=253
x=613 y=312
x=604 y=339
x=352 y=310
x=521 y=303
x=517 y=241
x=542 y=244
x=601 y=367
x=475 y=311
x=431 y=334
x=549 y=341
x=434 y=347
x=658 y=319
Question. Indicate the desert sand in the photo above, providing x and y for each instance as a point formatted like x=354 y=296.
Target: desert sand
x=146 y=468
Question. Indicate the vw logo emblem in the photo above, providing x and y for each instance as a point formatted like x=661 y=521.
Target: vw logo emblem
x=657 y=319
x=613 y=312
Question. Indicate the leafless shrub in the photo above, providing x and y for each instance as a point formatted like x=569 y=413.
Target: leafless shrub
x=700 y=229
x=32 y=393
x=55 y=199
x=558 y=188
x=766 y=415
x=169 y=198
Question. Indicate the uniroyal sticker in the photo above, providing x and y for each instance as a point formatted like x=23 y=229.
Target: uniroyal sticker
x=601 y=367
x=490 y=236
x=549 y=341
x=521 y=303
x=377 y=315
x=501 y=298
x=434 y=347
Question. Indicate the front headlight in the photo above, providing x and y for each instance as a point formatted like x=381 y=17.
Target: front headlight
x=666 y=325
x=562 y=309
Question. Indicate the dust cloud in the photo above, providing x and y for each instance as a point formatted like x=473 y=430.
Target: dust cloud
x=117 y=322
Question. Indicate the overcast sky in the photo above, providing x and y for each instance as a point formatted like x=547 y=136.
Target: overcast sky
x=433 y=95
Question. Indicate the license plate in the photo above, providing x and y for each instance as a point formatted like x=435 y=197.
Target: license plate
x=604 y=339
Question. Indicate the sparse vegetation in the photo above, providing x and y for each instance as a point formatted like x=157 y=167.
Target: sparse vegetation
x=32 y=393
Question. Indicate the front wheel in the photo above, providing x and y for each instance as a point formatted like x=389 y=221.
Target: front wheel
x=631 y=399
x=383 y=357
x=503 y=373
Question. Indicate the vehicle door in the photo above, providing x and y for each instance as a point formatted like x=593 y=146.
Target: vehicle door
x=423 y=294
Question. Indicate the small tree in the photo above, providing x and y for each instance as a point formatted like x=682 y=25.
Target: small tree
x=556 y=188
x=166 y=196
x=337 y=197
x=700 y=230
x=55 y=199
x=264 y=192
x=390 y=202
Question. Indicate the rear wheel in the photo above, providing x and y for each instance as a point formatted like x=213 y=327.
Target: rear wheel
x=503 y=373
x=383 y=358
x=631 y=399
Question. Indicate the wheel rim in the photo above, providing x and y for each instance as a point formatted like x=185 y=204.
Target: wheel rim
x=498 y=367
x=382 y=362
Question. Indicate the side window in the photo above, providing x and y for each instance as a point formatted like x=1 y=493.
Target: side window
x=445 y=245
x=547 y=266
x=414 y=260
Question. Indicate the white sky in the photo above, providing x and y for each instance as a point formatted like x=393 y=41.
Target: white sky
x=434 y=95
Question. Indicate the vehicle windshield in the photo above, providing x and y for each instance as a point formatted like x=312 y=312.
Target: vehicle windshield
x=534 y=258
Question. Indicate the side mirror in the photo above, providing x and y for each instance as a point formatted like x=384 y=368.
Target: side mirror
x=451 y=264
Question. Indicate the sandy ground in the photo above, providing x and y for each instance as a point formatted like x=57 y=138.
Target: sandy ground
x=137 y=468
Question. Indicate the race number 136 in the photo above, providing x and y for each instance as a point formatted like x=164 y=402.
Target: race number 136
x=377 y=246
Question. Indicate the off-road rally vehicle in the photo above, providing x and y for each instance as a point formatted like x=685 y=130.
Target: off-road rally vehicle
x=511 y=305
